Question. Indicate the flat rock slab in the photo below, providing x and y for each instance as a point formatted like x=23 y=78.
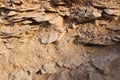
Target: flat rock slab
x=50 y=36
x=103 y=62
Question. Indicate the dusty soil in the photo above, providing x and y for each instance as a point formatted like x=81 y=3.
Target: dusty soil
x=59 y=39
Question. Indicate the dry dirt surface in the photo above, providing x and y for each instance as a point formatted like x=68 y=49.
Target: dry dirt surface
x=59 y=39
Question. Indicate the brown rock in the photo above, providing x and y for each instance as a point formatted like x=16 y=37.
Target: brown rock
x=12 y=13
x=17 y=1
x=48 y=68
x=57 y=21
x=44 y=17
x=103 y=62
x=112 y=12
x=49 y=38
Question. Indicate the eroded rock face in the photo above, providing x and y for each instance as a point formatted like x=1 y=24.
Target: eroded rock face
x=59 y=39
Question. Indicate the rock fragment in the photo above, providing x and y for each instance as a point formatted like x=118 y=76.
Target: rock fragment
x=44 y=17
x=50 y=37
x=103 y=62
x=93 y=14
x=12 y=13
x=17 y=1
x=48 y=68
x=86 y=14
x=99 y=5
x=57 y=21
x=112 y=12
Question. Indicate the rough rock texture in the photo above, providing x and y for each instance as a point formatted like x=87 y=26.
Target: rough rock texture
x=59 y=39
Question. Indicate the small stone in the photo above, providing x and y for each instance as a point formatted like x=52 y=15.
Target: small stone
x=12 y=13
x=115 y=39
x=48 y=68
x=49 y=37
x=74 y=26
x=93 y=14
x=99 y=5
x=1 y=20
x=57 y=21
x=26 y=22
x=17 y=1
x=112 y=12
x=59 y=64
x=96 y=13
x=117 y=36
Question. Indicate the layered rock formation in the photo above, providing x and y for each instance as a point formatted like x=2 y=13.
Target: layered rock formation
x=59 y=39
